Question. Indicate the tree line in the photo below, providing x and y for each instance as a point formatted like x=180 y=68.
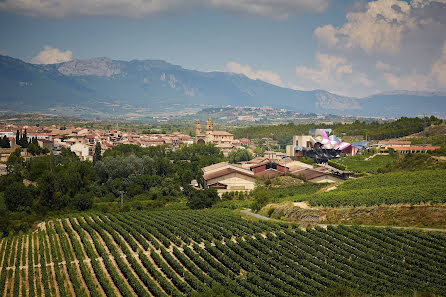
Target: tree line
x=54 y=184
x=375 y=130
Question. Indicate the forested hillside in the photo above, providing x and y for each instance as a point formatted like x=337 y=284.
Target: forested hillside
x=372 y=130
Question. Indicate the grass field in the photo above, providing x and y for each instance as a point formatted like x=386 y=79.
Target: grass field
x=181 y=253
x=390 y=188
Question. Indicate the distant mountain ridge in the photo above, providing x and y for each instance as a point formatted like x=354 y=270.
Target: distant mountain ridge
x=102 y=87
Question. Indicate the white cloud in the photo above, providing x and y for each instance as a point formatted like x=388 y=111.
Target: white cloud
x=142 y=8
x=395 y=44
x=439 y=68
x=410 y=82
x=265 y=75
x=379 y=28
x=423 y=3
x=51 y=55
x=334 y=74
x=385 y=67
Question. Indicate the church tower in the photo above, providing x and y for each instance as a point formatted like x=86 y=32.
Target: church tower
x=197 y=128
x=209 y=126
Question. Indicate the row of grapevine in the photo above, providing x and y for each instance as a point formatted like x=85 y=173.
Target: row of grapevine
x=390 y=188
x=179 y=253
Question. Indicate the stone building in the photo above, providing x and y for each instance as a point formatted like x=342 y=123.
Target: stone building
x=222 y=139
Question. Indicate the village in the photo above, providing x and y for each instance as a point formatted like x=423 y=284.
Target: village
x=320 y=146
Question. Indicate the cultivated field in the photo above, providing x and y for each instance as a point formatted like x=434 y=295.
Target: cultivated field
x=390 y=188
x=179 y=252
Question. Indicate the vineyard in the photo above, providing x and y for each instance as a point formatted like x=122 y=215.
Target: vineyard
x=178 y=253
x=390 y=188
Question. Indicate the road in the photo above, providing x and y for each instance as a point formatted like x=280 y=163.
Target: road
x=260 y=217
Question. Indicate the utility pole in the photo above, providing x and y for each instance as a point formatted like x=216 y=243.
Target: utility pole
x=122 y=198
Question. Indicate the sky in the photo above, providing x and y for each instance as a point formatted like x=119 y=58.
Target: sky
x=351 y=47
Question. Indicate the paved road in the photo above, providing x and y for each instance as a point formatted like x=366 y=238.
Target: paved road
x=248 y=212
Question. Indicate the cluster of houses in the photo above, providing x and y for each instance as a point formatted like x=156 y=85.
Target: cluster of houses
x=82 y=141
x=227 y=177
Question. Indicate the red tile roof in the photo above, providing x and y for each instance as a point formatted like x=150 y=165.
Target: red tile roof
x=416 y=148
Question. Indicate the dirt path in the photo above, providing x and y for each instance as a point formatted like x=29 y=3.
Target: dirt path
x=10 y=274
x=50 y=268
x=248 y=212
x=64 y=268
x=24 y=285
x=124 y=258
x=38 y=273
x=76 y=266
x=101 y=264
x=3 y=247
x=377 y=154
x=112 y=260
x=302 y=204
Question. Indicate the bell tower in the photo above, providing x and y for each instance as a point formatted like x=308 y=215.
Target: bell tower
x=209 y=126
x=197 y=128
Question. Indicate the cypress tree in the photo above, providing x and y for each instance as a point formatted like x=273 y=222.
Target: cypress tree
x=25 y=139
x=97 y=153
x=17 y=138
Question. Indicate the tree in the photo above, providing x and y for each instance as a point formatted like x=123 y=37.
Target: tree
x=97 y=153
x=239 y=155
x=14 y=164
x=24 y=139
x=17 y=137
x=4 y=142
x=199 y=199
x=34 y=149
x=261 y=198
x=17 y=196
x=82 y=201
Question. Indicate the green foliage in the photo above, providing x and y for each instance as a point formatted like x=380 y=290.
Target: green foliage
x=374 y=130
x=292 y=193
x=4 y=142
x=198 y=199
x=414 y=162
x=215 y=291
x=261 y=198
x=390 y=188
x=18 y=197
x=233 y=204
x=97 y=153
x=34 y=149
x=337 y=165
x=82 y=201
x=239 y=155
x=359 y=164
x=217 y=253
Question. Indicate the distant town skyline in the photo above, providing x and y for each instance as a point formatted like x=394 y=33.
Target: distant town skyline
x=354 y=48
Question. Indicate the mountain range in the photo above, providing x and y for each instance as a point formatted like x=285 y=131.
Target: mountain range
x=105 y=88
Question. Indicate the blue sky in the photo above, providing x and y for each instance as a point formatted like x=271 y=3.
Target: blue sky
x=353 y=48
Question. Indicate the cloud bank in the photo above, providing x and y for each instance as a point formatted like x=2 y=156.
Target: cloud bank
x=383 y=45
x=144 y=8
x=51 y=55
x=265 y=75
